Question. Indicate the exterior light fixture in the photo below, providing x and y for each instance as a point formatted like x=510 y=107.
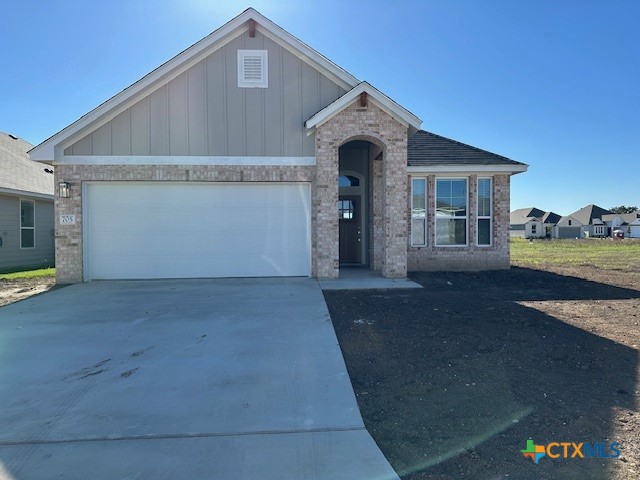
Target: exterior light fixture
x=64 y=190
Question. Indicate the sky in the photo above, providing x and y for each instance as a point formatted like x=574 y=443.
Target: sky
x=554 y=84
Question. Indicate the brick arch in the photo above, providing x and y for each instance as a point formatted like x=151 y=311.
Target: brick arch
x=390 y=224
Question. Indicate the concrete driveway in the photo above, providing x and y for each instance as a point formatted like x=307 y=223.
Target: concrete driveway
x=217 y=379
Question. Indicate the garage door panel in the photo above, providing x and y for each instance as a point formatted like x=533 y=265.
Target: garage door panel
x=147 y=230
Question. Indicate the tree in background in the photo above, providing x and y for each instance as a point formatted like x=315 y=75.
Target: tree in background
x=623 y=209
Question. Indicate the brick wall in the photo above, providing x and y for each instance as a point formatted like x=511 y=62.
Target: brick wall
x=69 y=260
x=471 y=257
x=389 y=210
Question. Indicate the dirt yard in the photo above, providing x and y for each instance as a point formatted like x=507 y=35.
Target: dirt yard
x=453 y=379
x=19 y=289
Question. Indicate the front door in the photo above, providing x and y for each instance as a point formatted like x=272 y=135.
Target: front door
x=350 y=230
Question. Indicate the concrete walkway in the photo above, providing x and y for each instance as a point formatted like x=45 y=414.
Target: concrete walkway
x=358 y=278
x=216 y=379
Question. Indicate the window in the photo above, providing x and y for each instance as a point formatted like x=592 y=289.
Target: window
x=598 y=230
x=484 y=212
x=348 y=181
x=451 y=212
x=27 y=224
x=418 y=212
x=345 y=209
x=534 y=230
x=252 y=69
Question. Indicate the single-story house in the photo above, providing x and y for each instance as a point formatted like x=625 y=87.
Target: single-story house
x=586 y=222
x=629 y=223
x=532 y=223
x=26 y=208
x=251 y=154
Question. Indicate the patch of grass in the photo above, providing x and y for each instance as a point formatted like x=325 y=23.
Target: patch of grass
x=41 y=272
x=600 y=253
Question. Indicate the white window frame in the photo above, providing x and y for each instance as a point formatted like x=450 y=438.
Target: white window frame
x=598 y=230
x=484 y=217
x=27 y=228
x=264 y=59
x=465 y=218
x=424 y=219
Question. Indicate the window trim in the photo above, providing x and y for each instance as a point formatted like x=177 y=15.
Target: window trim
x=424 y=219
x=21 y=228
x=466 y=217
x=484 y=217
x=264 y=57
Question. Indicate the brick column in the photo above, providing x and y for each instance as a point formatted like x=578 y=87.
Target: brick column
x=395 y=208
x=69 y=262
x=325 y=236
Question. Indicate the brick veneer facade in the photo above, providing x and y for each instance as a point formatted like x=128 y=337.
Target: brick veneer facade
x=472 y=256
x=389 y=222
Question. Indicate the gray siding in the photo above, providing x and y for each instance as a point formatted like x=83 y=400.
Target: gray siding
x=203 y=112
x=12 y=257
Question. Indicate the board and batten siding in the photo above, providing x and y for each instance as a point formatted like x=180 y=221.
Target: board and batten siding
x=12 y=257
x=204 y=112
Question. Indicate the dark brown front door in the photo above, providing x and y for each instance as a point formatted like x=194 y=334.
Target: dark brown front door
x=350 y=231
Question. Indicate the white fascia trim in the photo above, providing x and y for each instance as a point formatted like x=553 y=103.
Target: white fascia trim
x=45 y=151
x=24 y=193
x=184 y=160
x=469 y=169
x=394 y=109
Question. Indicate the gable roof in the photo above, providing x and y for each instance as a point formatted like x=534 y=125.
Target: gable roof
x=394 y=109
x=45 y=151
x=522 y=215
x=426 y=149
x=625 y=217
x=586 y=214
x=18 y=174
x=551 y=217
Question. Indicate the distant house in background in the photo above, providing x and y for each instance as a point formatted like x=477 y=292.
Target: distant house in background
x=532 y=223
x=26 y=208
x=586 y=222
x=629 y=223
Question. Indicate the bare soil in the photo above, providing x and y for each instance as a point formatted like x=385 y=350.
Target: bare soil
x=19 y=289
x=454 y=378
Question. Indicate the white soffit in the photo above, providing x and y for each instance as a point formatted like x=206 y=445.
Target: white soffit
x=467 y=169
x=394 y=109
x=45 y=151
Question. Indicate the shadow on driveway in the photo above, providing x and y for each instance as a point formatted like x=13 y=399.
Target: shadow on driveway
x=454 y=378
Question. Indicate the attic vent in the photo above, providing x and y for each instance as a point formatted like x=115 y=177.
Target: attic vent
x=252 y=69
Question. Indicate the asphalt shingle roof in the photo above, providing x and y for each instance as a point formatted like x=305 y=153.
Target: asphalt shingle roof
x=18 y=171
x=586 y=214
x=426 y=149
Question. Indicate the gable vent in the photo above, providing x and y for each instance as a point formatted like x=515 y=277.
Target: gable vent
x=252 y=69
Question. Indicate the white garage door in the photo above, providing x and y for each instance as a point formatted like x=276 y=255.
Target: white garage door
x=189 y=230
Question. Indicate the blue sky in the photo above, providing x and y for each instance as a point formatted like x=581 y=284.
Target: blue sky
x=555 y=84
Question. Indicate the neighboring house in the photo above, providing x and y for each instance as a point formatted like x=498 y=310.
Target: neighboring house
x=251 y=154
x=586 y=222
x=532 y=223
x=26 y=208
x=629 y=223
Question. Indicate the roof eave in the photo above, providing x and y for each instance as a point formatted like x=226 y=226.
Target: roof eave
x=460 y=169
x=397 y=111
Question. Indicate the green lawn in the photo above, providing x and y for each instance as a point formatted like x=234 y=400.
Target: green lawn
x=606 y=254
x=41 y=272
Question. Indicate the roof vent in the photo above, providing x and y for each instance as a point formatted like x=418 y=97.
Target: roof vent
x=252 y=69
x=13 y=136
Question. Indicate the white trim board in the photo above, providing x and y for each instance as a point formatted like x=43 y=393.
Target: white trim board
x=184 y=160
x=24 y=193
x=46 y=151
x=468 y=169
x=394 y=109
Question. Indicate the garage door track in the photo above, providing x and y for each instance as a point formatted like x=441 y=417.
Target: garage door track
x=223 y=379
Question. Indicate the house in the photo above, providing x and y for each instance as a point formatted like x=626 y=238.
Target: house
x=629 y=223
x=251 y=154
x=26 y=208
x=586 y=222
x=532 y=223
